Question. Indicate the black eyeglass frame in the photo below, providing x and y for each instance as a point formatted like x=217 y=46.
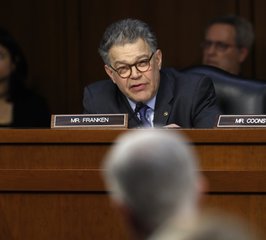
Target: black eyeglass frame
x=221 y=46
x=129 y=66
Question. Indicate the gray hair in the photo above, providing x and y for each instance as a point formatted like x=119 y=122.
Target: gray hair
x=243 y=28
x=126 y=31
x=154 y=173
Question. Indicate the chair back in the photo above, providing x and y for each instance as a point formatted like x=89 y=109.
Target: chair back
x=235 y=94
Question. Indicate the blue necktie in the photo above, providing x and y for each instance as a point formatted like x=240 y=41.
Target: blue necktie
x=142 y=109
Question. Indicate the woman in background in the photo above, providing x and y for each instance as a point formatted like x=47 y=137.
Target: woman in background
x=19 y=106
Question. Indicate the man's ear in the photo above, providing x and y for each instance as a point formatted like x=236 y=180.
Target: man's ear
x=243 y=54
x=159 y=58
x=202 y=185
x=202 y=188
x=110 y=72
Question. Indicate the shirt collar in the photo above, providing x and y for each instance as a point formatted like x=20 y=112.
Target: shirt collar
x=150 y=103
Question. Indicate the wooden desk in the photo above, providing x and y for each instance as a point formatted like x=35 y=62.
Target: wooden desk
x=50 y=184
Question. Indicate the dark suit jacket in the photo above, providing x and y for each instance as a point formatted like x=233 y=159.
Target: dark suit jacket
x=184 y=99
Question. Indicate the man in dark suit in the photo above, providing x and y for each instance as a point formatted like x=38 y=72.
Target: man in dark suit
x=139 y=86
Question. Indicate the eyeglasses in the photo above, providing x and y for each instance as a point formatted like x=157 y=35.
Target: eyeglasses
x=219 y=46
x=126 y=70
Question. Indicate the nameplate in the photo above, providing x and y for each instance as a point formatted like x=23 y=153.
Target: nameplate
x=89 y=121
x=242 y=121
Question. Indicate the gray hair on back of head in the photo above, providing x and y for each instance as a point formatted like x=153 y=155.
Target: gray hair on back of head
x=154 y=173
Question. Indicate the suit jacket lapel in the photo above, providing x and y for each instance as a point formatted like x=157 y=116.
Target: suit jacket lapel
x=163 y=105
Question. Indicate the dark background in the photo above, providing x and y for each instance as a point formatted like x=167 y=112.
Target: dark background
x=60 y=38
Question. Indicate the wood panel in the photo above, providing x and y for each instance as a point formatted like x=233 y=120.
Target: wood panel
x=245 y=206
x=68 y=215
x=90 y=180
x=51 y=185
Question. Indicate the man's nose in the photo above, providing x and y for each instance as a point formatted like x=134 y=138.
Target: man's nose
x=135 y=73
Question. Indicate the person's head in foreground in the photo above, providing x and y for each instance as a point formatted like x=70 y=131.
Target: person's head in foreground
x=227 y=43
x=152 y=175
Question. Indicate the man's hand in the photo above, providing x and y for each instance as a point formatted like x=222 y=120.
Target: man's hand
x=172 y=125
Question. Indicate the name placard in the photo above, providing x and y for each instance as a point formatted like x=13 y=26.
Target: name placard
x=89 y=121
x=234 y=121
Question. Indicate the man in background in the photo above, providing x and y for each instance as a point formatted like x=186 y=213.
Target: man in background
x=152 y=176
x=227 y=43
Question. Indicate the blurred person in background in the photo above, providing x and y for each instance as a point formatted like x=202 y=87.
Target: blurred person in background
x=19 y=106
x=227 y=43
